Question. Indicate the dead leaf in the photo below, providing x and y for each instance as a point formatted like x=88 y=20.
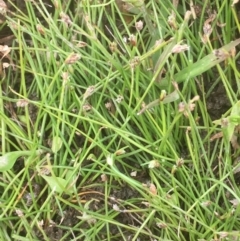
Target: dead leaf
x=235 y=202
x=104 y=177
x=178 y=48
x=216 y=136
x=152 y=189
x=22 y=103
x=5 y=50
x=133 y=174
x=81 y=44
x=207 y=28
x=234 y=2
x=3 y=7
x=73 y=58
x=65 y=18
x=234 y=139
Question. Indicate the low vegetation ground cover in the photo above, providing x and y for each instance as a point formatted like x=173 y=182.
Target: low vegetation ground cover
x=119 y=120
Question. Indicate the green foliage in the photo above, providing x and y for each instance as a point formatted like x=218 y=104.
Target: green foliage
x=230 y=122
x=56 y=144
x=118 y=101
x=8 y=160
x=57 y=184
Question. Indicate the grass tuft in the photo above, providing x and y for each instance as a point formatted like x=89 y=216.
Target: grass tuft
x=114 y=130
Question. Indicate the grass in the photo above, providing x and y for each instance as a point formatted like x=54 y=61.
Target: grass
x=108 y=139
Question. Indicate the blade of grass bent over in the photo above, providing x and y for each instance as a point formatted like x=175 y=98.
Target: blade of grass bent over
x=169 y=98
x=204 y=64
